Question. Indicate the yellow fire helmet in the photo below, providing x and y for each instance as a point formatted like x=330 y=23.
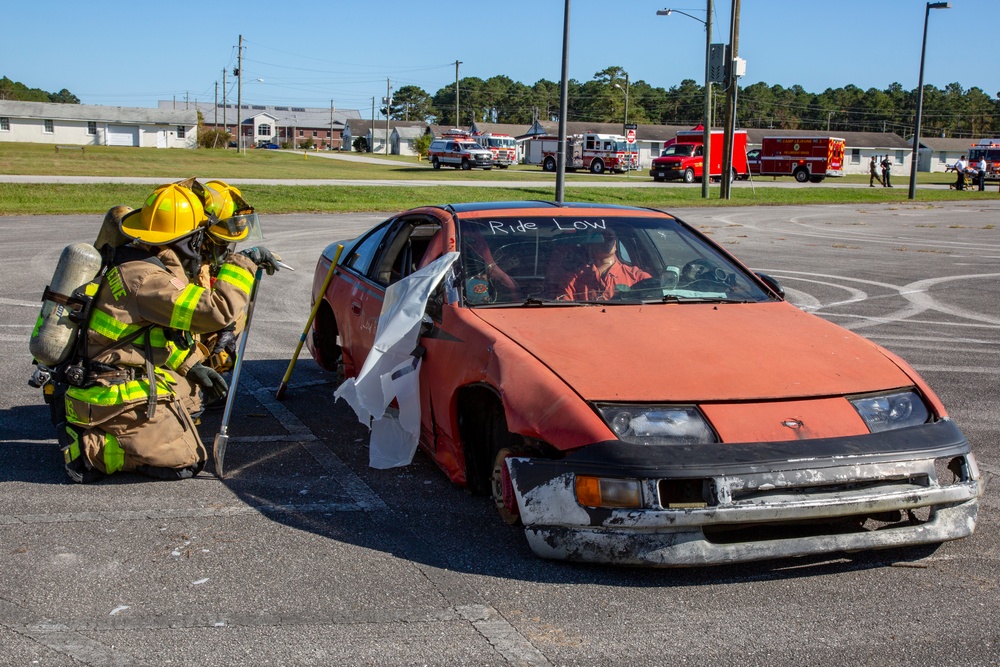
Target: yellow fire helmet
x=171 y=212
x=231 y=219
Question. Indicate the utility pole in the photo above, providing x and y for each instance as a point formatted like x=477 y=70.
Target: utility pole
x=371 y=144
x=224 y=102
x=239 y=97
x=216 y=105
x=563 y=110
x=706 y=166
x=731 y=79
x=457 y=63
x=388 y=103
x=330 y=141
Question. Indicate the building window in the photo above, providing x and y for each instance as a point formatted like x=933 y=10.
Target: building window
x=855 y=156
x=50 y=126
x=4 y=124
x=942 y=157
x=899 y=157
x=91 y=127
x=264 y=130
x=181 y=131
x=302 y=133
x=315 y=134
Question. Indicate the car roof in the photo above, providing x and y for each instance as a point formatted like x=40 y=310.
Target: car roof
x=471 y=207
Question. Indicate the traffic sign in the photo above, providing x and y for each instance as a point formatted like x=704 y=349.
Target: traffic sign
x=630 y=136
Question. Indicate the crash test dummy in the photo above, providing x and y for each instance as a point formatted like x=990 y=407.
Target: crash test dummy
x=142 y=370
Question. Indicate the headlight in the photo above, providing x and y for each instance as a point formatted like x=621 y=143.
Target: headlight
x=891 y=411
x=658 y=424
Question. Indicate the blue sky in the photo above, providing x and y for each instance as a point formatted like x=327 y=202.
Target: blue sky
x=308 y=53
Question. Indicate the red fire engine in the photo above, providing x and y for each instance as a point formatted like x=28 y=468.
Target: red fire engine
x=806 y=158
x=989 y=149
x=503 y=147
x=596 y=152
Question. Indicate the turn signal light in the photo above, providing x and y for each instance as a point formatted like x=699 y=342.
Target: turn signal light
x=608 y=492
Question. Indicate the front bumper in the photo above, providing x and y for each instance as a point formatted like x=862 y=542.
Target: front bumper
x=761 y=500
x=669 y=173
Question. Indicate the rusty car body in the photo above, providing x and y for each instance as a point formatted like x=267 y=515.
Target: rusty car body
x=690 y=417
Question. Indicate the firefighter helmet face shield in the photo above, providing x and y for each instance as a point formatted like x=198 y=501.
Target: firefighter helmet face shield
x=238 y=227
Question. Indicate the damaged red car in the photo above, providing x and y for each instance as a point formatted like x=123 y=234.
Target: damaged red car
x=629 y=392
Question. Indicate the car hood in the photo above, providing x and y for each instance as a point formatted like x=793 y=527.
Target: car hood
x=697 y=352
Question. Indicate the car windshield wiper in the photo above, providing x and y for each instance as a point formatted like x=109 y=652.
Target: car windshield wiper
x=673 y=298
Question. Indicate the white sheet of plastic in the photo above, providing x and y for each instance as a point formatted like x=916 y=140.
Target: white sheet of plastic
x=391 y=371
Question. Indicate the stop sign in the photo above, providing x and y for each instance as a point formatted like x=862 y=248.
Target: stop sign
x=630 y=136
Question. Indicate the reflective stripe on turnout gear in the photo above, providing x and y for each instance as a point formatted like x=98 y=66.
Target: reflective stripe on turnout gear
x=117 y=394
x=236 y=275
x=114 y=330
x=184 y=307
x=114 y=455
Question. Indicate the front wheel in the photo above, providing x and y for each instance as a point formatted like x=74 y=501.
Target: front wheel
x=465 y=164
x=597 y=167
x=503 y=444
x=689 y=175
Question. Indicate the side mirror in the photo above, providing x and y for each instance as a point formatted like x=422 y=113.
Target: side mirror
x=772 y=284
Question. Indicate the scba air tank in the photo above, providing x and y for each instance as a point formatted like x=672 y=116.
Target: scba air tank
x=55 y=331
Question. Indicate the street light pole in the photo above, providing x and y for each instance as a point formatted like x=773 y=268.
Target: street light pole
x=625 y=90
x=563 y=110
x=920 y=99
x=707 y=123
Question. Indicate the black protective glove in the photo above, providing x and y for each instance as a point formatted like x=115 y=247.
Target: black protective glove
x=226 y=341
x=262 y=257
x=212 y=384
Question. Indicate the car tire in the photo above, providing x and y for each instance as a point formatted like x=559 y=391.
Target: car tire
x=689 y=175
x=549 y=164
x=801 y=175
x=466 y=166
x=503 y=444
x=597 y=167
x=435 y=163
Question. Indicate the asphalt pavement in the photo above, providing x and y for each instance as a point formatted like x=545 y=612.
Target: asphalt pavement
x=303 y=555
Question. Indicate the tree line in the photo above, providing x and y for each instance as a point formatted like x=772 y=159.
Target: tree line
x=952 y=111
x=15 y=90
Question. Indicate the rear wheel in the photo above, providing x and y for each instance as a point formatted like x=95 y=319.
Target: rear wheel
x=435 y=163
x=801 y=175
x=549 y=164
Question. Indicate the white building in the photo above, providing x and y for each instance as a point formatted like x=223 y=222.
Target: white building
x=92 y=125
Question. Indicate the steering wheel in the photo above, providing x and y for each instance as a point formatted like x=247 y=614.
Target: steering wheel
x=702 y=274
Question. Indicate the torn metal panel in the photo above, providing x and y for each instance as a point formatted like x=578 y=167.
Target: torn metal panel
x=390 y=370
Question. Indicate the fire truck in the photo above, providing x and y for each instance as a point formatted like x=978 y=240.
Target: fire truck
x=990 y=150
x=806 y=158
x=503 y=147
x=590 y=150
x=683 y=157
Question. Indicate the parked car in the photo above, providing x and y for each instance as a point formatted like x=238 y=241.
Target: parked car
x=458 y=153
x=674 y=410
x=268 y=144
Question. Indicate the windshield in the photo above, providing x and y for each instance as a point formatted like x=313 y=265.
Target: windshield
x=991 y=154
x=507 y=261
x=678 y=149
x=470 y=146
x=500 y=143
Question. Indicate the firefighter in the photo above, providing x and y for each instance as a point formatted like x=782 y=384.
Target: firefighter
x=133 y=403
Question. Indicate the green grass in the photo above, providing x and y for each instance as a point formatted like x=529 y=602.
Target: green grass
x=170 y=165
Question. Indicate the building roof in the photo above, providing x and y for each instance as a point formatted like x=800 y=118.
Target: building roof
x=948 y=144
x=283 y=115
x=101 y=114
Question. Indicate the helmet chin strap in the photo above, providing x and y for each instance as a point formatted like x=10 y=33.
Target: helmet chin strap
x=188 y=250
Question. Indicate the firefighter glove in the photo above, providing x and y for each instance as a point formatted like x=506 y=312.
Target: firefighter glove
x=226 y=341
x=262 y=257
x=212 y=384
